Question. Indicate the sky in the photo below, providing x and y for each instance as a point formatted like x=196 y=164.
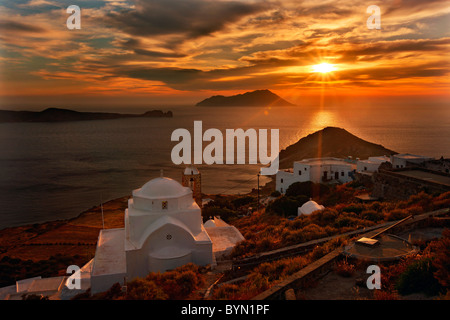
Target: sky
x=151 y=52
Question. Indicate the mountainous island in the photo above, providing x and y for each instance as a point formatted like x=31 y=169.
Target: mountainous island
x=257 y=98
x=331 y=142
x=59 y=115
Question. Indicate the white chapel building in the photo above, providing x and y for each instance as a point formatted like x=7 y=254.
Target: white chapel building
x=317 y=170
x=163 y=230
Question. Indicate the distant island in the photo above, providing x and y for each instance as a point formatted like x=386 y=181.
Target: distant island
x=60 y=115
x=331 y=142
x=257 y=98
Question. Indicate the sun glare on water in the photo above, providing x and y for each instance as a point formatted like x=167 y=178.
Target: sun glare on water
x=323 y=67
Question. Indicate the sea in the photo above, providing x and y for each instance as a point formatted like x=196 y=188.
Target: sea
x=53 y=171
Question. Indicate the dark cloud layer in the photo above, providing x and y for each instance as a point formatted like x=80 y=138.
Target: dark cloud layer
x=12 y=26
x=191 y=18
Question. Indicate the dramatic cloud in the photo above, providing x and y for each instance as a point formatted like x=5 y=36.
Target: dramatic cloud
x=191 y=18
x=179 y=48
x=14 y=26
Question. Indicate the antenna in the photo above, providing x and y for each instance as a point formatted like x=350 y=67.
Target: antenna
x=101 y=205
x=257 y=205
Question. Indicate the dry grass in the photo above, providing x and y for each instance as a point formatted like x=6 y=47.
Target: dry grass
x=77 y=236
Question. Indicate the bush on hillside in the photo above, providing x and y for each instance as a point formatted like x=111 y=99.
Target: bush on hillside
x=308 y=189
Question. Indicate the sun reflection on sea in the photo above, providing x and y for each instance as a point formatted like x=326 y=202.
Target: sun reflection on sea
x=322 y=119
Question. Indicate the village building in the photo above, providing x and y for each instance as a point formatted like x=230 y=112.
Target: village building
x=192 y=178
x=163 y=230
x=406 y=159
x=309 y=207
x=223 y=236
x=318 y=170
x=371 y=164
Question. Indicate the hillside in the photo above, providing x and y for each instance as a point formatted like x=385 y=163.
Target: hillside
x=57 y=115
x=258 y=98
x=330 y=142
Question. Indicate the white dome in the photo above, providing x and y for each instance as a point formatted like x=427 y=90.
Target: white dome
x=162 y=188
x=190 y=170
x=309 y=207
x=210 y=223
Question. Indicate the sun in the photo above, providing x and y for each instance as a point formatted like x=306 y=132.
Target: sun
x=323 y=67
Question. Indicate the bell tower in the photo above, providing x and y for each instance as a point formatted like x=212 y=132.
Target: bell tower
x=192 y=178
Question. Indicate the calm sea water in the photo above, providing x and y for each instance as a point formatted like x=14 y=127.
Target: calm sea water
x=51 y=171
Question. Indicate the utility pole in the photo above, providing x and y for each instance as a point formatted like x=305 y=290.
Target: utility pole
x=257 y=204
x=101 y=204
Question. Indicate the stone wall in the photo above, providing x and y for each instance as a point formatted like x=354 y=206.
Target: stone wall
x=442 y=165
x=392 y=185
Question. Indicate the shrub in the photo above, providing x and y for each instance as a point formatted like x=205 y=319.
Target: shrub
x=376 y=206
x=355 y=208
x=372 y=215
x=275 y=194
x=384 y=295
x=344 y=269
x=226 y=292
x=308 y=189
x=212 y=211
x=242 y=201
x=31 y=297
x=345 y=221
x=318 y=252
x=313 y=231
x=141 y=289
x=418 y=277
x=423 y=199
x=324 y=217
x=397 y=214
x=442 y=258
x=258 y=282
x=284 y=206
x=266 y=244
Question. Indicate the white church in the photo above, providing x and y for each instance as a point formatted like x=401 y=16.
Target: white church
x=163 y=230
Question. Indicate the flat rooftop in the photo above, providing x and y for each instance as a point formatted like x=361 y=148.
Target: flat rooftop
x=389 y=248
x=409 y=156
x=110 y=253
x=426 y=176
x=327 y=161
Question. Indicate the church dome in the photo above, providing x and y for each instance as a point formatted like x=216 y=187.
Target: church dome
x=162 y=188
x=210 y=224
x=309 y=207
x=190 y=170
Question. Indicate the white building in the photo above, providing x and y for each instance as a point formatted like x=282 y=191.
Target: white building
x=402 y=160
x=372 y=164
x=309 y=207
x=223 y=235
x=163 y=230
x=323 y=170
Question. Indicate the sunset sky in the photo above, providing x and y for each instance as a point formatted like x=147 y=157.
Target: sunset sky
x=181 y=51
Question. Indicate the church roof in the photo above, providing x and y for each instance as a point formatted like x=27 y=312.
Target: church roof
x=191 y=170
x=210 y=223
x=162 y=188
x=309 y=207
